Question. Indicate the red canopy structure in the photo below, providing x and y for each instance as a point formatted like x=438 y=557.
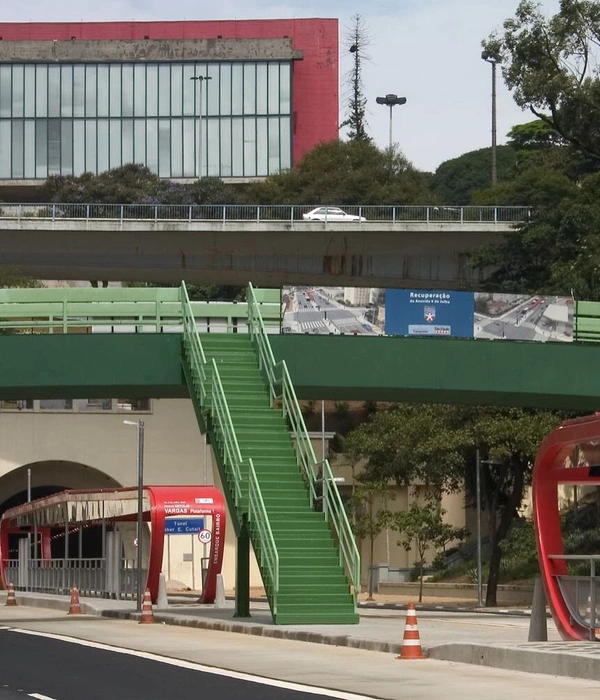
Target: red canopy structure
x=75 y=510
x=570 y=455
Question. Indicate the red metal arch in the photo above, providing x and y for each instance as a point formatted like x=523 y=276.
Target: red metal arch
x=550 y=471
x=186 y=500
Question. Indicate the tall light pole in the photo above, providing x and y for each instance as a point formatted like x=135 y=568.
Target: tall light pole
x=140 y=506
x=200 y=79
x=478 y=463
x=391 y=101
x=493 y=61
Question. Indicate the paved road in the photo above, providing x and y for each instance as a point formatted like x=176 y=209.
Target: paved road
x=50 y=669
x=373 y=674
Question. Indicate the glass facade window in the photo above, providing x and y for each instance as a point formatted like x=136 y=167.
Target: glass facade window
x=69 y=119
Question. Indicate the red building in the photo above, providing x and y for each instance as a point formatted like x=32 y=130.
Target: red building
x=77 y=97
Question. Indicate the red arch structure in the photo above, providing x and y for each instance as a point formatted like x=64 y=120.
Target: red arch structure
x=74 y=509
x=572 y=599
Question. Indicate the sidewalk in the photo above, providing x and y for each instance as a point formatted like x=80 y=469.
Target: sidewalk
x=458 y=635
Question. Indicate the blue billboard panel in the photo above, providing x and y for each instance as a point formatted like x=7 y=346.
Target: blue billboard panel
x=422 y=312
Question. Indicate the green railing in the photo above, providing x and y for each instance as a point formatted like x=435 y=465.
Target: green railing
x=256 y=328
x=261 y=528
x=586 y=321
x=225 y=434
x=127 y=309
x=318 y=475
x=193 y=348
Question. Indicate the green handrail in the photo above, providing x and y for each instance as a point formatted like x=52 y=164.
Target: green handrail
x=314 y=472
x=334 y=511
x=256 y=327
x=225 y=433
x=259 y=522
x=193 y=347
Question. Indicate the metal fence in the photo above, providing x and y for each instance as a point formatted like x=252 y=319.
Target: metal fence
x=292 y=214
x=581 y=589
x=59 y=575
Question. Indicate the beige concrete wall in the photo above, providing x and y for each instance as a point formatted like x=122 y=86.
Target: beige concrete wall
x=93 y=450
x=386 y=547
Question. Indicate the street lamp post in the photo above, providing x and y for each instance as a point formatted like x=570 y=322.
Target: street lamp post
x=493 y=61
x=391 y=101
x=478 y=463
x=140 y=506
x=200 y=79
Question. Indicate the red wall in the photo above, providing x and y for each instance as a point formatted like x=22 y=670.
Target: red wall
x=315 y=96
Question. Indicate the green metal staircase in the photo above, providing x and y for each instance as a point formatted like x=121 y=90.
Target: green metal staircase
x=297 y=524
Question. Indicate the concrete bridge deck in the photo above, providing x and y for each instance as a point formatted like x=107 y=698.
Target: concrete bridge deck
x=421 y=247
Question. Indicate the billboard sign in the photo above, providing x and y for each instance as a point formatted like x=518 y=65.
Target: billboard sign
x=424 y=312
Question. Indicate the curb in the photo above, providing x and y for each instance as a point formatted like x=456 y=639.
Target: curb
x=259 y=630
x=424 y=607
x=522 y=658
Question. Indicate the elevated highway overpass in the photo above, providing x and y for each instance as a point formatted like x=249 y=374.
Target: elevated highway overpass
x=420 y=247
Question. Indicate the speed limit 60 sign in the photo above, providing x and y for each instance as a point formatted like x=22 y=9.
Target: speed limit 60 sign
x=205 y=536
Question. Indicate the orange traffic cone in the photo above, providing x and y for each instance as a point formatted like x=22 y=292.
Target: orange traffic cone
x=411 y=644
x=74 y=607
x=147 y=614
x=11 y=598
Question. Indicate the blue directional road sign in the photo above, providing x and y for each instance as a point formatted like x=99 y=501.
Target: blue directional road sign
x=183 y=526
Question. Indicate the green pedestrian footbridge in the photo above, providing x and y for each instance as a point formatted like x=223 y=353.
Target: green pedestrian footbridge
x=245 y=378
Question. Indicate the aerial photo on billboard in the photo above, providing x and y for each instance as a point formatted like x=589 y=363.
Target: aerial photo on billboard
x=417 y=312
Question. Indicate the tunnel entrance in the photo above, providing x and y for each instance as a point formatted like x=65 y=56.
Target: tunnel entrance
x=48 y=478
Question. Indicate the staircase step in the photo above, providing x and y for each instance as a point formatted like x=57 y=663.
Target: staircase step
x=313 y=587
x=317 y=615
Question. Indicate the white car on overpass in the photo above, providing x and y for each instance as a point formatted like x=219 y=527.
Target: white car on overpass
x=331 y=214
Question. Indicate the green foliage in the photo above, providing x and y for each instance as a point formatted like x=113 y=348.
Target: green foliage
x=198 y=292
x=134 y=184
x=458 y=179
x=345 y=173
x=435 y=445
x=550 y=65
x=342 y=408
x=369 y=516
x=356 y=41
x=535 y=136
x=10 y=278
x=422 y=528
x=559 y=251
x=413 y=443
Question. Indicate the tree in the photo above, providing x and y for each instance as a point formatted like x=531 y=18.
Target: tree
x=550 y=64
x=134 y=184
x=456 y=180
x=558 y=252
x=422 y=528
x=510 y=438
x=345 y=173
x=356 y=41
x=435 y=445
x=368 y=517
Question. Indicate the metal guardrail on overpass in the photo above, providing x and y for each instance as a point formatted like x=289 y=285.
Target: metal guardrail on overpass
x=429 y=214
x=416 y=247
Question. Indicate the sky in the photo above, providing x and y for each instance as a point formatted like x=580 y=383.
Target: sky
x=428 y=51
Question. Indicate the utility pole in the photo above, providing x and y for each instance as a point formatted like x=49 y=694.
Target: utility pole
x=199 y=139
x=489 y=58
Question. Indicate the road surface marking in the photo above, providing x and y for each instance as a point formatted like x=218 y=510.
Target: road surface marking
x=39 y=696
x=236 y=675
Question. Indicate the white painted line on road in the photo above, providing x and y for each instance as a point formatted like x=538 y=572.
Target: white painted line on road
x=236 y=675
x=39 y=696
